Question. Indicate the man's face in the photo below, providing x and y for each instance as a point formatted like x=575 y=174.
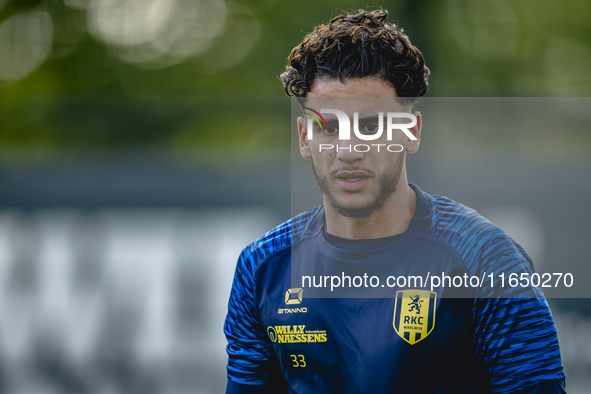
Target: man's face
x=356 y=183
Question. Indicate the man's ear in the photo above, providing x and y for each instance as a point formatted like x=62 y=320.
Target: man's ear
x=303 y=138
x=413 y=146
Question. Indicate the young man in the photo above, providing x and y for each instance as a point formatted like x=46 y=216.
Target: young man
x=288 y=335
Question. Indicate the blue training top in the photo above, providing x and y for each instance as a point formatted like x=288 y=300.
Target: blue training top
x=288 y=331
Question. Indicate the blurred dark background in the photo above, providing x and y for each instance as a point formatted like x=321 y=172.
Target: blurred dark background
x=143 y=143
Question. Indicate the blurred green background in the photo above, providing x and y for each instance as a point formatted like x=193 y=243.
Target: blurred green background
x=184 y=75
x=144 y=143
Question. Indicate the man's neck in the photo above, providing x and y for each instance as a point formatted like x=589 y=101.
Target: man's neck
x=393 y=218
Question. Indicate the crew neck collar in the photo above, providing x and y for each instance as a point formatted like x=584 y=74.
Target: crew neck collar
x=420 y=222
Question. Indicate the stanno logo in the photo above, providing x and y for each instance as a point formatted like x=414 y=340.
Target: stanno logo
x=292 y=310
x=414 y=314
x=344 y=127
x=294 y=296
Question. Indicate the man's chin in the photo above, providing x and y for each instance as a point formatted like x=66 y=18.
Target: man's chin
x=354 y=210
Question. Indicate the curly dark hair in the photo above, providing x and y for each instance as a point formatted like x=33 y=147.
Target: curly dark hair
x=357 y=46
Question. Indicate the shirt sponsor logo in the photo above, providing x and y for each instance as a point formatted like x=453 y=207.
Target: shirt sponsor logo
x=295 y=334
x=414 y=314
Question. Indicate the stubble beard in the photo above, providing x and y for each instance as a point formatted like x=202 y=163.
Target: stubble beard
x=387 y=181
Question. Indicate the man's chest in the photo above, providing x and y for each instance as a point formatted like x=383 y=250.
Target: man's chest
x=383 y=318
x=352 y=341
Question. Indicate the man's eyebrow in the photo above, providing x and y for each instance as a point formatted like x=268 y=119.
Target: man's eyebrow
x=371 y=118
x=332 y=122
x=375 y=119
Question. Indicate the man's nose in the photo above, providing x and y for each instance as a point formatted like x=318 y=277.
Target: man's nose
x=346 y=151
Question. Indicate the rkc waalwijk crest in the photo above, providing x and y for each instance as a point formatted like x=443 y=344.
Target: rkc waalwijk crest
x=414 y=314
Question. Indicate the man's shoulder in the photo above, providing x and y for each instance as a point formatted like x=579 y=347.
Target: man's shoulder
x=278 y=238
x=471 y=235
x=451 y=217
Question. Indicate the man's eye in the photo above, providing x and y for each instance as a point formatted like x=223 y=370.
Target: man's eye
x=370 y=128
x=332 y=130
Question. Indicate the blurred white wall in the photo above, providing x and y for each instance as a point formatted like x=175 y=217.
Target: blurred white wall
x=88 y=291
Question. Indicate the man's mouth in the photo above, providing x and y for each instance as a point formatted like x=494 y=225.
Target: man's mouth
x=352 y=180
x=352 y=175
